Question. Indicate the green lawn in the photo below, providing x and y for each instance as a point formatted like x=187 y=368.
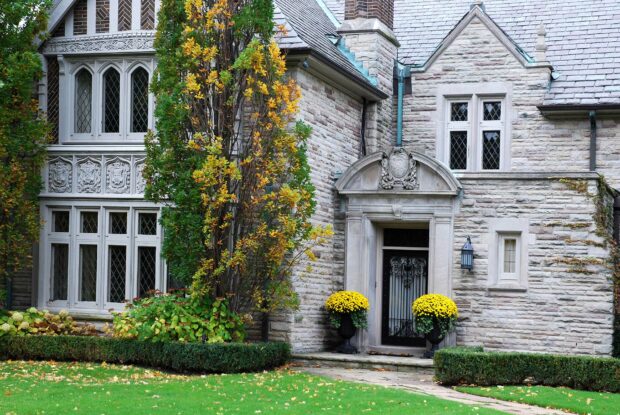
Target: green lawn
x=68 y=388
x=580 y=402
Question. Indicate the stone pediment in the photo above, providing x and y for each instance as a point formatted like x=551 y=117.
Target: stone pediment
x=398 y=171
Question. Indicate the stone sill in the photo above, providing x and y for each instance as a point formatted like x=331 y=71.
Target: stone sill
x=505 y=175
x=508 y=288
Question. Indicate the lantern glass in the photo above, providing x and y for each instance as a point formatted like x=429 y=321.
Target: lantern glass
x=467 y=255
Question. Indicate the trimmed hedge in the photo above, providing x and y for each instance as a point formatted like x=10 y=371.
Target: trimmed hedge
x=457 y=365
x=181 y=357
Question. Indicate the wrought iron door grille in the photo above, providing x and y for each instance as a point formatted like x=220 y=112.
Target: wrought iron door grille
x=407 y=283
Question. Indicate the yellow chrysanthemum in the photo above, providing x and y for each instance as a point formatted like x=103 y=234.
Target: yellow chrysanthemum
x=435 y=305
x=346 y=302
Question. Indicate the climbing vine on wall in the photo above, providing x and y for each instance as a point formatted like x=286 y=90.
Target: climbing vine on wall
x=228 y=158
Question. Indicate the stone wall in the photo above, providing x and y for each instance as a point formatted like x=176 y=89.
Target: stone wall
x=334 y=145
x=80 y=17
x=567 y=308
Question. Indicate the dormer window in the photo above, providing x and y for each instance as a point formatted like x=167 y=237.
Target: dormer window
x=109 y=101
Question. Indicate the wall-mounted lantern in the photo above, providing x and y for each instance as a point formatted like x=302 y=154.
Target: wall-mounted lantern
x=467 y=255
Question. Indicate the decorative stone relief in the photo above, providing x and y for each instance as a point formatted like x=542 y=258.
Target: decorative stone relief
x=105 y=43
x=89 y=176
x=140 y=180
x=118 y=176
x=60 y=174
x=399 y=169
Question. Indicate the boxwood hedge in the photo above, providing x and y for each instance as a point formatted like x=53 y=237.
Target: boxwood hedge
x=181 y=357
x=473 y=366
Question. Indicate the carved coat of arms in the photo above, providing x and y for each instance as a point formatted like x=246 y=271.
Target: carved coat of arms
x=59 y=176
x=117 y=180
x=89 y=177
x=399 y=169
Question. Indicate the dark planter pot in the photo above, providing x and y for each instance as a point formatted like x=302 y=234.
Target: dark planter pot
x=346 y=331
x=434 y=338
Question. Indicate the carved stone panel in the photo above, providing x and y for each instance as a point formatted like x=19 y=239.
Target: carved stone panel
x=399 y=170
x=60 y=176
x=140 y=180
x=89 y=176
x=118 y=176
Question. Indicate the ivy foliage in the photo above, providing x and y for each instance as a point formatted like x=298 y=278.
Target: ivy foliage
x=23 y=131
x=229 y=159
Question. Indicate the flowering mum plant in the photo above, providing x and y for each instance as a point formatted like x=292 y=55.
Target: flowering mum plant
x=434 y=308
x=348 y=302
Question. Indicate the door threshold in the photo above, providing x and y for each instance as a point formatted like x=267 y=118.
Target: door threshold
x=389 y=350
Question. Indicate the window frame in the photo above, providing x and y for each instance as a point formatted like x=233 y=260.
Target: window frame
x=500 y=230
x=454 y=126
x=103 y=240
x=98 y=67
x=476 y=95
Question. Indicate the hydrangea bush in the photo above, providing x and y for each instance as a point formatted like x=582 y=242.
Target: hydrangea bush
x=348 y=302
x=434 y=308
x=175 y=316
x=37 y=322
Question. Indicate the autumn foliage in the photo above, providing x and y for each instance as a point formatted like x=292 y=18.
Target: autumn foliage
x=22 y=132
x=228 y=158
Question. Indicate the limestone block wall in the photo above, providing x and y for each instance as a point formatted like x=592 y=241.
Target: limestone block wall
x=539 y=143
x=335 y=118
x=565 y=309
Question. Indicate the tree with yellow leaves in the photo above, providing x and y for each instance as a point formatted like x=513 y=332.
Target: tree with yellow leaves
x=228 y=159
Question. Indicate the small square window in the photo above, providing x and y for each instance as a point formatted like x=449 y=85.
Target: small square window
x=60 y=221
x=118 y=223
x=147 y=223
x=492 y=111
x=89 y=222
x=458 y=111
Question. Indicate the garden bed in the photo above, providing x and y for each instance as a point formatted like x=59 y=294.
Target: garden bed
x=473 y=366
x=176 y=356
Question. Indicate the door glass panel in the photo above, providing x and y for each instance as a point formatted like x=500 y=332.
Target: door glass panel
x=146 y=269
x=60 y=272
x=117 y=272
x=406 y=237
x=88 y=273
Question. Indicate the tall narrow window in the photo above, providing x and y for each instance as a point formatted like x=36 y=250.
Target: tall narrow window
x=458 y=127
x=60 y=272
x=117 y=272
x=147 y=265
x=491 y=125
x=509 y=258
x=111 y=101
x=88 y=273
x=139 y=100
x=83 y=101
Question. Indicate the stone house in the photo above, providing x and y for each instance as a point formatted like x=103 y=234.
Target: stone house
x=433 y=122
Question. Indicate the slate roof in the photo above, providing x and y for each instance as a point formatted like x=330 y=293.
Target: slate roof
x=310 y=26
x=583 y=39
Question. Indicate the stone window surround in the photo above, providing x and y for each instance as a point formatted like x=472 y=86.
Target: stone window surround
x=103 y=239
x=508 y=227
x=97 y=67
x=474 y=93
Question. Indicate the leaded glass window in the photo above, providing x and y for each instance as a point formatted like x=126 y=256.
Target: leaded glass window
x=458 y=150
x=117 y=273
x=60 y=272
x=139 y=101
x=89 y=222
x=147 y=265
x=88 y=273
x=83 y=101
x=111 y=101
x=492 y=111
x=118 y=223
x=60 y=221
x=491 y=150
x=147 y=223
x=458 y=111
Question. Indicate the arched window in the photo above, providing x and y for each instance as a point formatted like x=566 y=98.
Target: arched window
x=111 y=101
x=139 y=101
x=83 y=101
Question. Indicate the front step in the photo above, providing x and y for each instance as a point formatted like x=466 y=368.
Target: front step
x=365 y=361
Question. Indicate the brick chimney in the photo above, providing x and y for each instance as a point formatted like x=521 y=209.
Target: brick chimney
x=367 y=32
x=368 y=9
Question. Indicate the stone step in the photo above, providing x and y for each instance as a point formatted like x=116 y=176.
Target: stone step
x=364 y=361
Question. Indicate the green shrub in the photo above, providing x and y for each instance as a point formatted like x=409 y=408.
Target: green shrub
x=181 y=357
x=469 y=366
x=37 y=322
x=176 y=316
